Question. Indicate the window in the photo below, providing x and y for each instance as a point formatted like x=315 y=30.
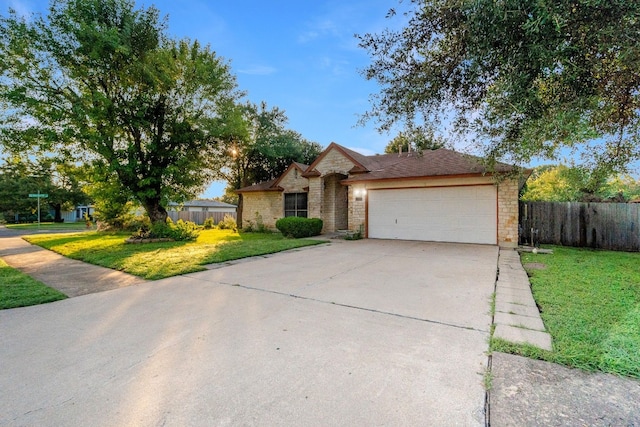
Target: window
x=295 y=204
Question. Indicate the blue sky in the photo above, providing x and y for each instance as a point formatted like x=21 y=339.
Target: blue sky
x=298 y=55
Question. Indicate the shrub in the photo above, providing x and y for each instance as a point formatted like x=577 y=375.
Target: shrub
x=297 y=227
x=256 y=226
x=357 y=235
x=115 y=215
x=159 y=230
x=179 y=231
x=133 y=223
x=228 y=223
x=184 y=230
x=208 y=223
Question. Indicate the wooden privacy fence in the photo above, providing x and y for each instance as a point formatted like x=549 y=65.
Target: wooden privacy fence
x=594 y=225
x=199 y=217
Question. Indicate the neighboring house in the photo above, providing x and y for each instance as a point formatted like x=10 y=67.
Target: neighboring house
x=202 y=206
x=199 y=210
x=438 y=195
x=77 y=214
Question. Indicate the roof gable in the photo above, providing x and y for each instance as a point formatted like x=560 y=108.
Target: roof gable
x=355 y=158
x=301 y=168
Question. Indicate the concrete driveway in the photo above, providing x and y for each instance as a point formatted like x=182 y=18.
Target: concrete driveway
x=352 y=333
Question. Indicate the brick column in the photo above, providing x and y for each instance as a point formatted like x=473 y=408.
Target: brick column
x=356 y=207
x=508 y=213
x=314 y=198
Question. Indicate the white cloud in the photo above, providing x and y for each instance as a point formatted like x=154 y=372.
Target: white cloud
x=319 y=28
x=337 y=67
x=258 y=70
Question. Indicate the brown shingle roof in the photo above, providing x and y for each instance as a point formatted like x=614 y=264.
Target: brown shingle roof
x=262 y=186
x=301 y=166
x=429 y=163
x=440 y=162
x=273 y=184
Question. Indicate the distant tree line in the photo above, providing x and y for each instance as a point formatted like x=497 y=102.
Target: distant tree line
x=560 y=183
x=151 y=119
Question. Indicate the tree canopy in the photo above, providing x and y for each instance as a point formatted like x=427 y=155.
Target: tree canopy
x=526 y=77
x=19 y=177
x=414 y=138
x=101 y=80
x=260 y=147
x=560 y=183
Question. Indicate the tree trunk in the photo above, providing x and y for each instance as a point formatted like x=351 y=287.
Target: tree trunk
x=156 y=212
x=239 y=211
x=58 y=215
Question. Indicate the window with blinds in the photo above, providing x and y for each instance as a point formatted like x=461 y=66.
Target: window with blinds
x=295 y=204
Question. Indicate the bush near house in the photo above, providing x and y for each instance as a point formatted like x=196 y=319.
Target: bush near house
x=297 y=227
x=228 y=223
x=180 y=231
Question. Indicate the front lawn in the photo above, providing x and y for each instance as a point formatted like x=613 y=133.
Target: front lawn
x=51 y=226
x=590 y=304
x=159 y=260
x=19 y=290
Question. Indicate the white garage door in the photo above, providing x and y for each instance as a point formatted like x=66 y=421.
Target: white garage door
x=443 y=214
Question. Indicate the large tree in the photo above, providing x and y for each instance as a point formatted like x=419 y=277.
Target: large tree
x=260 y=147
x=560 y=183
x=101 y=79
x=527 y=77
x=415 y=138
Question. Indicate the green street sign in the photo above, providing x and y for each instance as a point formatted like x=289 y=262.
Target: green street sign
x=39 y=195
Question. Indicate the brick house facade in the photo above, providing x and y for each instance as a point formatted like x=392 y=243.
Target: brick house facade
x=338 y=185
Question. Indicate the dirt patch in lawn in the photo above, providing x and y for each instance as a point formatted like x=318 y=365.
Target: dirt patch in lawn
x=535 y=266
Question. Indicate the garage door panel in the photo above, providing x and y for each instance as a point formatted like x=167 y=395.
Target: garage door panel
x=449 y=214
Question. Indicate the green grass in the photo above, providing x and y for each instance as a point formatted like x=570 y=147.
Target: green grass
x=19 y=290
x=590 y=304
x=50 y=226
x=159 y=260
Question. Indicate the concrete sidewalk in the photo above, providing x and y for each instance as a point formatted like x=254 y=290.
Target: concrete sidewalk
x=71 y=277
x=517 y=317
